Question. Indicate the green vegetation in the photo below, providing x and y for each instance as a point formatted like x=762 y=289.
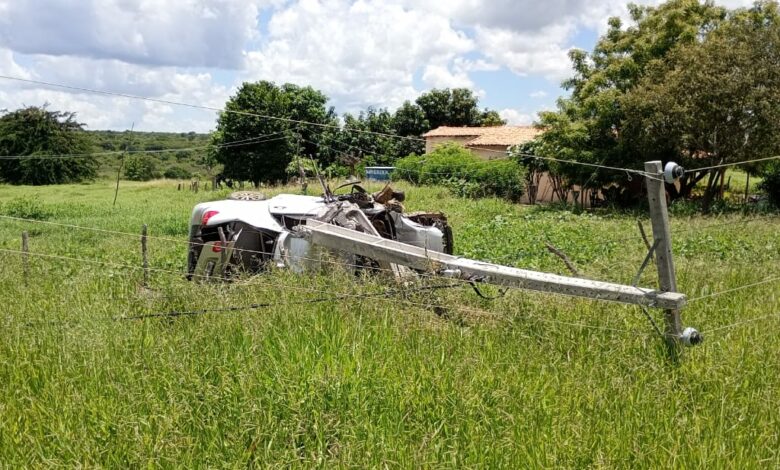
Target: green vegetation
x=686 y=81
x=770 y=183
x=529 y=380
x=186 y=153
x=465 y=174
x=141 y=168
x=37 y=131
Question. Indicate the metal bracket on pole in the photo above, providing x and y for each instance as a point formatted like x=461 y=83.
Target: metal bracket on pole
x=644 y=263
x=662 y=235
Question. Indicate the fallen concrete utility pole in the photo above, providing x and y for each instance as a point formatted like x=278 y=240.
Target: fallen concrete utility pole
x=342 y=239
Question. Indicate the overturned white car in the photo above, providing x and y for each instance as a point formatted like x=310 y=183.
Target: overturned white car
x=248 y=233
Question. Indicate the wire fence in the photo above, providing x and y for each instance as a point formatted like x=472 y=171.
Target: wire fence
x=328 y=296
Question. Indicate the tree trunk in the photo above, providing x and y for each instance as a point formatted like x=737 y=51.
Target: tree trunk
x=712 y=189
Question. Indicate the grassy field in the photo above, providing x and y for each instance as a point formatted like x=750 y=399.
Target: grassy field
x=528 y=380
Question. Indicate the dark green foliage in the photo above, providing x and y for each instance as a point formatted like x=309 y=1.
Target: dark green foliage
x=718 y=98
x=370 y=136
x=267 y=161
x=37 y=131
x=466 y=175
x=455 y=107
x=771 y=183
x=681 y=82
x=176 y=172
x=141 y=168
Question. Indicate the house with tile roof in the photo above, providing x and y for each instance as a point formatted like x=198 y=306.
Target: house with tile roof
x=492 y=143
x=489 y=143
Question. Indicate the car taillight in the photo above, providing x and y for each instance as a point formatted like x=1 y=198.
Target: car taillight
x=208 y=215
x=216 y=247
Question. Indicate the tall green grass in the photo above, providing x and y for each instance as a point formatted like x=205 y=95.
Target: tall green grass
x=440 y=379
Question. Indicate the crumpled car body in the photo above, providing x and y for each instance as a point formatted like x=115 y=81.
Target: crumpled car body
x=248 y=236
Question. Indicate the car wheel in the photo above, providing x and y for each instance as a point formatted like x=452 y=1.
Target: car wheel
x=246 y=196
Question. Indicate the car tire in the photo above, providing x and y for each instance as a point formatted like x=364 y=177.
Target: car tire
x=247 y=196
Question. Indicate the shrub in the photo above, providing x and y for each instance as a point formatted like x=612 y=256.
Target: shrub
x=25 y=208
x=141 y=168
x=771 y=183
x=408 y=168
x=176 y=172
x=462 y=172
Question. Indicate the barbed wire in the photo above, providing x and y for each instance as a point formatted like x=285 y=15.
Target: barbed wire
x=343 y=263
x=346 y=296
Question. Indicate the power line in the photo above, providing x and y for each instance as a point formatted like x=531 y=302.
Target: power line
x=747 y=286
x=726 y=165
x=237 y=143
x=574 y=162
x=255 y=306
x=208 y=108
x=743 y=322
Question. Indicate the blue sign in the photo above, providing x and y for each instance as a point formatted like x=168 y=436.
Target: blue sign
x=379 y=173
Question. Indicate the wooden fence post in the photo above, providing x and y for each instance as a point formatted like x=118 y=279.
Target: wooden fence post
x=26 y=256
x=145 y=254
x=662 y=235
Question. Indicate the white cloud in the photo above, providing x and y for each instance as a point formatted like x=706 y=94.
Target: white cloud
x=102 y=112
x=175 y=32
x=538 y=94
x=365 y=53
x=544 y=52
x=514 y=117
x=8 y=65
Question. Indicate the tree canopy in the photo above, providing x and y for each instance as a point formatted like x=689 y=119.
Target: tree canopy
x=687 y=81
x=36 y=131
x=373 y=136
x=279 y=136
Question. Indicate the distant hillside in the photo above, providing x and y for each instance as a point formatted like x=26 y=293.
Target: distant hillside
x=183 y=163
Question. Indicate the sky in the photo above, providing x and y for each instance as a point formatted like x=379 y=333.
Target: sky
x=511 y=53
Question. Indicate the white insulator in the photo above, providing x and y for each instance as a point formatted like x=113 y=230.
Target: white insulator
x=691 y=337
x=672 y=172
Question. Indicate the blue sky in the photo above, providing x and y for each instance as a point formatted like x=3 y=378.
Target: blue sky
x=512 y=53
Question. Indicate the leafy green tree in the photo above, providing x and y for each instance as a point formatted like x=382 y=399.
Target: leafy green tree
x=36 y=131
x=715 y=101
x=455 y=107
x=176 y=172
x=589 y=125
x=409 y=121
x=490 y=118
x=141 y=168
x=266 y=160
x=770 y=182
x=371 y=136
